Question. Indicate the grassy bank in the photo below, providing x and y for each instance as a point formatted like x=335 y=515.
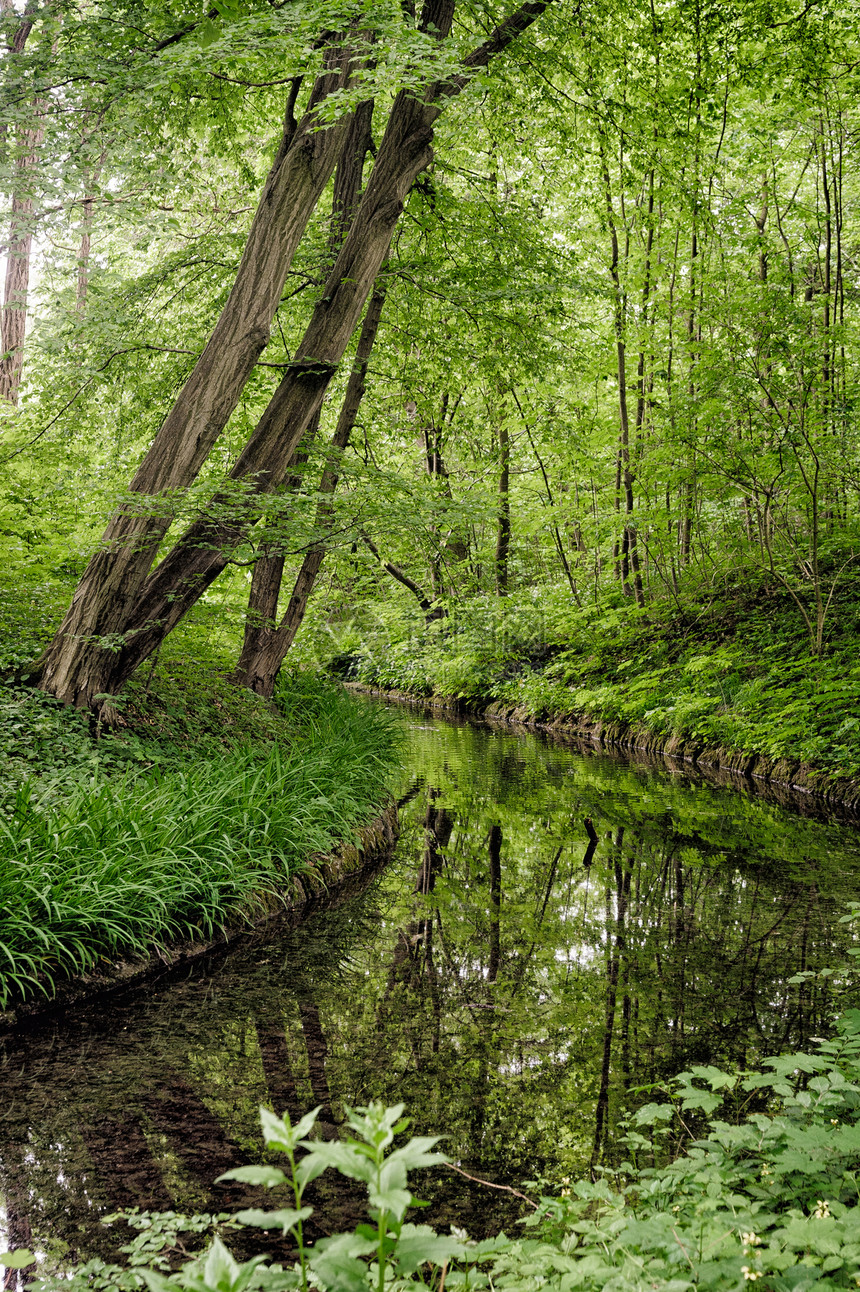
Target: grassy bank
x=732 y=669
x=193 y=814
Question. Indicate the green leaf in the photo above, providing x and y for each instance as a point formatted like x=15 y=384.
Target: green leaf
x=308 y=1169
x=154 y=1281
x=391 y=1200
x=269 y=1176
x=715 y=1077
x=417 y=1153
x=220 y=1270
x=335 y=1262
x=649 y=1114
x=349 y=1159
x=285 y=1219
x=207 y=33
x=17 y=1260
x=419 y=1245
x=279 y=1132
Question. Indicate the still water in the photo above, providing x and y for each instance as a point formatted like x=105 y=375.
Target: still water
x=557 y=931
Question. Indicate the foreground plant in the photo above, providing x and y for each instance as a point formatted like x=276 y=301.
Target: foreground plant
x=765 y=1192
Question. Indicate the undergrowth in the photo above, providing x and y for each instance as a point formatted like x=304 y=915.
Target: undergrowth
x=732 y=669
x=199 y=808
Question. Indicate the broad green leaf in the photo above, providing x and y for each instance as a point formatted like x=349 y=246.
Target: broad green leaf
x=279 y=1131
x=335 y=1263
x=346 y=1158
x=392 y=1200
x=419 y=1244
x=17 y=1260
x=309 y=1168
x=285 y=1219
x=269 y=1176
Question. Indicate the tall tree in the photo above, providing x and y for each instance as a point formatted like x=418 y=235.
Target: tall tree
x=24 y=144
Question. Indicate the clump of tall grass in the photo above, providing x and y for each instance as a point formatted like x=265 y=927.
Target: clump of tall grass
x=128 y=865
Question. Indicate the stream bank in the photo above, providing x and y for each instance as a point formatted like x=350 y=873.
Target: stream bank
x=324 y=884
x=208 y=813
x=516 y=991
x=723 y=678
x=715 y=762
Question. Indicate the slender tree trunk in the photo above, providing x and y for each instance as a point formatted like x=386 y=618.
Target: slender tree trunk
x=826 y=369
x=503 y=522
x=629 y=556
x=13 y=322
x=85 y=249
x=268 y=569
x=559 y=546
x=693 y=326
x=641 y=397
x=614 y=954
x=17 y=282
x=431 y=611
x=495 y=851
x=689 y=490
x=265 y=646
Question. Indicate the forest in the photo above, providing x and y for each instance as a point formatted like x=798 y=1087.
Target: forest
x=516 y=362
x=506 y=358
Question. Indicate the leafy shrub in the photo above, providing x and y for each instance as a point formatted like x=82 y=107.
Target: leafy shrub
x=735 y=673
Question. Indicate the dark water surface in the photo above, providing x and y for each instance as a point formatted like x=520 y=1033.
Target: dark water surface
x=505 y=978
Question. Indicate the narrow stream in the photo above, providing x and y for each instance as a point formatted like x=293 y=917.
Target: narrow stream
x=556 y=930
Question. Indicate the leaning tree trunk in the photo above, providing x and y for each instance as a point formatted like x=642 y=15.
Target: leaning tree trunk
x=111 y=628
x=73 y=666
x=77 y=671
x=268 y=572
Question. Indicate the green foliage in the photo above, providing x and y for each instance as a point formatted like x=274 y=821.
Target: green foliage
x=164 y=845
x=732 y=671
x=765 y=1188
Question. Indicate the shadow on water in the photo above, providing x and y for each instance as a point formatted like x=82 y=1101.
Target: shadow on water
x=555 y=931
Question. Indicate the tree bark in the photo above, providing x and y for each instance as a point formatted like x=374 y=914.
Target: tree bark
x=73 y=665
x=257 y=662
x=495 y=853
x=268 y=573
x=13 y=322
x=503 y=519
x=17 y=282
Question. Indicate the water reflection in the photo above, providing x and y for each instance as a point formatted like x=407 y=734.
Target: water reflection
x=555 y=931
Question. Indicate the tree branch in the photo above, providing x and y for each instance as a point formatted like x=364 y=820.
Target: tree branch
x=506 y=32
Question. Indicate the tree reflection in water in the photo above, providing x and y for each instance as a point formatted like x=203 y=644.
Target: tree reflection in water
x=555 y=932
